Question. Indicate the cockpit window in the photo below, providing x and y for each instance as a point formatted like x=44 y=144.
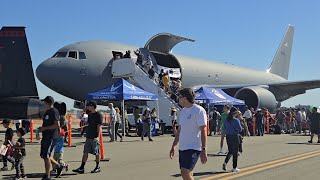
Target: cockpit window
x=82 y=55
x=73 y=54
x=60 y=54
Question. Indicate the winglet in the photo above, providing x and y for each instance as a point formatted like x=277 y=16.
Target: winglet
x=281 y=61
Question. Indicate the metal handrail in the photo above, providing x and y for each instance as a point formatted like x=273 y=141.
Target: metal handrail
x=158 y=85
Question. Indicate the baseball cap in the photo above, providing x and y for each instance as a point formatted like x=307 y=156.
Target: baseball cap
x=48 y=99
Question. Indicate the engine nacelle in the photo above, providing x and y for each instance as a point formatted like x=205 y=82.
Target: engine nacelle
x=257 y=97
x=21 y=108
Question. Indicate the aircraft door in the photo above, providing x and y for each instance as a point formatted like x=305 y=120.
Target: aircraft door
x=83 y=66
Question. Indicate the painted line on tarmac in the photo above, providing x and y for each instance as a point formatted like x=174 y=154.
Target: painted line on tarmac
x=268 y=167
x=260 y=165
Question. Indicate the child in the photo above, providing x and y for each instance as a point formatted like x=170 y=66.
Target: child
x=58 y=151
x=8 y=138
x=20 y=153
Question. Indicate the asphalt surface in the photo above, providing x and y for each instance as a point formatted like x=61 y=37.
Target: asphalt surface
x=268 y=157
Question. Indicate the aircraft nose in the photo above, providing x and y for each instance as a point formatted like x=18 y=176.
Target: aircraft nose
x=45 y=71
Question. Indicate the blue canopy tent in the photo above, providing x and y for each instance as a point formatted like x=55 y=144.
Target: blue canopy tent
x=122 y=91
x=209 y=95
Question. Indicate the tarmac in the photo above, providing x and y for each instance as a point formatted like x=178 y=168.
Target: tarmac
x=268 y=157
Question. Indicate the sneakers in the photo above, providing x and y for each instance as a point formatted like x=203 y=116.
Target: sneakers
x=53 y=171
x=220 y=152
x=142 y=138
x=4 y=168
x=79 y=170
x=235 y=170
x=121 y=140
x=318 y=141
x=310 y=141
x=66 y=166
x=150 y=139
x=45 y=177
x=59 y=171
x=224 y=166
x=96 y=170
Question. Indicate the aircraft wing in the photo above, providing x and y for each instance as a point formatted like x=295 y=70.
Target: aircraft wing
x=281 y=90
x=286 y=90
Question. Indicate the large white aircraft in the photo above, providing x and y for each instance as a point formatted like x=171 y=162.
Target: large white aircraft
x=83 y=67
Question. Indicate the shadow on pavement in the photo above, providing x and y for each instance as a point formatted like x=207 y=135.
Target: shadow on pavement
x=197 y=174
x=306 y=143
x=214 y=155
x=37 y=175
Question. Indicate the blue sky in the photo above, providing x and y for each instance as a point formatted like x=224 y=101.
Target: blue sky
x=245 y=33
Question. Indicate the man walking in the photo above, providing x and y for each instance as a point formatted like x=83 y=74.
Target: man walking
x=299 y=120
x=224 y=115
x=314 y=124
x=50 y=131
x=92 y=144
x=191 y=134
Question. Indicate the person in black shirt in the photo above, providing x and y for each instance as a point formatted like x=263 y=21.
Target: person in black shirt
x=50 y=131
x=259 y=122
x=127 y=54
x=139 y=57
x=161 y=74
x=92 y=144
x=314 y=118
x=20 y=153
x=151 y=72
x=8 y=138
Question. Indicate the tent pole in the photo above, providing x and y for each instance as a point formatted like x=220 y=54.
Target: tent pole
x=123 y=123
x=158 y=111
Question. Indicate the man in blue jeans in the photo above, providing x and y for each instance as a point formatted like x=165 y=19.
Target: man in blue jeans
x=191 y=134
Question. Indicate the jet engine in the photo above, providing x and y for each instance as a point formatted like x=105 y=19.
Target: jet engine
x=257 y=97
x=21 y=108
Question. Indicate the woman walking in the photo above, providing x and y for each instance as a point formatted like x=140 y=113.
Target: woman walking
x=232 y=128
x=146 y=118
x=118 y=124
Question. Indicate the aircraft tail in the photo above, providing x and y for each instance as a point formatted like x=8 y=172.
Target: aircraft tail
x=281 y=61
x=16 y=72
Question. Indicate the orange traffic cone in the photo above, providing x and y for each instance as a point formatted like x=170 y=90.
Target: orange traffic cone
x=102 y=156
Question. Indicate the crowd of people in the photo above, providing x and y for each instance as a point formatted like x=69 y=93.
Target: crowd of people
x=189 y=131
x=170 y=85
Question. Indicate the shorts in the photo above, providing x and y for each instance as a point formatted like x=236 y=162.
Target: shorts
x=47 y=146
x=58 y=157
x=188 y=158
x=92 y=146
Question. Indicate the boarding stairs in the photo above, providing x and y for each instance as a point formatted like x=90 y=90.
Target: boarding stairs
x=127 y=68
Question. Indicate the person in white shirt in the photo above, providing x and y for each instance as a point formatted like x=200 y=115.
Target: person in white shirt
x=304 y=120
x=248 y=117
x=191 y=134
x=113 y=120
